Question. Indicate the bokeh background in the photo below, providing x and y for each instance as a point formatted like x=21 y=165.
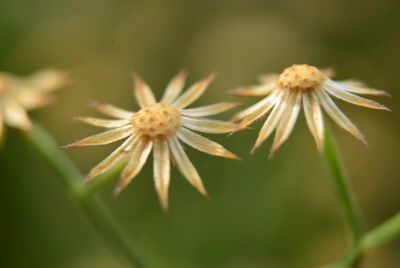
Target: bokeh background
x=263 y=213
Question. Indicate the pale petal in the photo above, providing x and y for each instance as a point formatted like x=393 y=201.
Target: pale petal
x=339 y=117
x=193 y=93
x=136 y=162
x=185 y=166
x=15 y=115
x=111 y=110
x=268 y=78
x=340 y=92
x=103 y=138
x=208 y=125
x=210 y=109
x=102 y=122
x=174 y=88
x=254 y=91
x=360 y=88
x=143 y=93
x=203 y=144
x=116 y=156
x=46 y=80
x=272 y=121
x=287 y=121
x=161 y=168
x=312 y=111
x=32 y=98
x=257 y=111
x=2 y=127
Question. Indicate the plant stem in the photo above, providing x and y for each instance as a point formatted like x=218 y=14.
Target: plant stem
x=104 y=221
x=382 y=234
x=343 y=190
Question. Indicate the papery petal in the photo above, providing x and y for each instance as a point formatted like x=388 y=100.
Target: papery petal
x=204 y=145
x=116 y=156
x=340 y=92
x=161 y=168
x=104 y=138
x=313 y=114
x=210 y=109
x=340 y=118
x=185 y=166
x=287 y=121
x=136 y=162
x=15 y=115
x=111 y=110
x=102 y=122
x=254 y=91
x=143 y=93
x=193 y=93
x=272 y=121
x=208 y=125
x=174 y=88
x=358 y=87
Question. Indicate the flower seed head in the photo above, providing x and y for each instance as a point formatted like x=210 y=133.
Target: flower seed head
x=156 y=121
x=303 y=77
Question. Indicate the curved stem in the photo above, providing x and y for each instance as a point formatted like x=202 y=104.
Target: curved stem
x=343 y=190
x=104 y=221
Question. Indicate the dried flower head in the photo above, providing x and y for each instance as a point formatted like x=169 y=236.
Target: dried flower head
x=159 y=127
x=20 y=94
x=307 y=86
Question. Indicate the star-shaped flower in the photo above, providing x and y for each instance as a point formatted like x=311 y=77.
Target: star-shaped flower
x=21 y=94
x=302 y=86
x=159 y=127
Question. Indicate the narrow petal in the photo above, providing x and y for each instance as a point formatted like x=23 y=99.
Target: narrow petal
x=136 y=162
x=143 y=93
x=104 y=138
x=174 y=88
x=268 y=78
x=254 y=91
x=102 y=122
x=204 y=145
x=210 y=109
x=312 y=111
x=111 y=110
x=340 y=92
x=287 y=121
x=161 y=168
x=2 y=127
x=47 y=80
x=193 y=93
x=32 y=99
x=185 y=166
x=116 y=156
x=358 y=87
x=15 y=115
x=339 y=117
x=272 y=121
x=257 y=111
x=208 y=125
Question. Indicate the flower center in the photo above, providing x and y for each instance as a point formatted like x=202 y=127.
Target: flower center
x=301 y=77
x=156 y=121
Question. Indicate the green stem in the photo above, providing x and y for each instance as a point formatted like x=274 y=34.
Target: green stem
x=343 y=190
x=382 y=234
x=104 y=221
x=378 y=236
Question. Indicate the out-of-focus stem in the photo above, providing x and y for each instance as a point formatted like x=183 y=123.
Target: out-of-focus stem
x=101 y=217
x=343 y=190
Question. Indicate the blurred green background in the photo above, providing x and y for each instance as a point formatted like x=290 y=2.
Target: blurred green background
x=263 y=213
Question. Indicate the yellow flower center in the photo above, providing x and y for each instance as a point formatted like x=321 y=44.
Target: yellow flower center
x=301 y=77
x=156 y=121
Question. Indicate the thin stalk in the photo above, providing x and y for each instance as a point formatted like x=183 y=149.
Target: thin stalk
x=343 y=190
x=382 y=234
x=101 y=217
